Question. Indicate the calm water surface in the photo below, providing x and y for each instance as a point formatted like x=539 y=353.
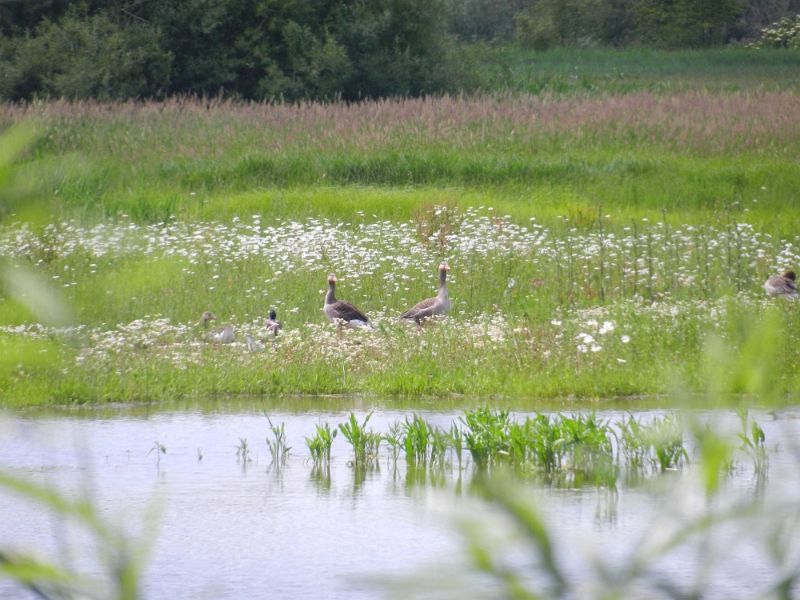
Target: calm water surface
x=228 y=531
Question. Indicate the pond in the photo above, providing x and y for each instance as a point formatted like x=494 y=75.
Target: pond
x=228 y=529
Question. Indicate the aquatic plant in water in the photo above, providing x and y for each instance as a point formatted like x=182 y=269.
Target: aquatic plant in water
x=395 y=439
x=277 y=445
x=365 y=443
x=657 y=443
x=243 y=452
x=159 y=449
x=753 y=442
x=486 y=435
x=319 y=445
x=456 y=440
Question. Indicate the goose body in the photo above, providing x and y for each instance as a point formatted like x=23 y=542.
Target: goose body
x=431 y=307
x=781 y=286
x=252 y=344
x=340 y=312
x=272 y=325
x=221 y=335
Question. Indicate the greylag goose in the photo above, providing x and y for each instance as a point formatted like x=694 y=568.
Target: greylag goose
x=432 y=307
x=222 y=335
x=340 y=312
x=252 y=344
x=272 y=325
x=782 y=286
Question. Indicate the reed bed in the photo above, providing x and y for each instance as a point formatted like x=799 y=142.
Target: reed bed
x=504 y=124
x=210 y=160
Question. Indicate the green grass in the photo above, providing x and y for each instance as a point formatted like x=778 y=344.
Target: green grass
x=691 y=152
x=610 y=71
x=653 y=302
x=692 y=168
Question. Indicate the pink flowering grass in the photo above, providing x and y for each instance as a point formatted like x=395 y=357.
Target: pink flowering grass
x=700 y=123
x=693 y=150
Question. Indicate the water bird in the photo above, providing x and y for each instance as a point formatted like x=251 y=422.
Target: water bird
x=432 y=307
x=222 y=335
x=252 y=344
x=271 y=324
x=341 y=312
x=782 y=286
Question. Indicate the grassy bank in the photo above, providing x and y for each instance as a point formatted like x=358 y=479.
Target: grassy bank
x=599 y=242
x=693 y=152
x=601 y=309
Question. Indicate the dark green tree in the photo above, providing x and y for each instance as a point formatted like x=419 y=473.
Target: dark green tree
x=687 y=23
x=84 y=57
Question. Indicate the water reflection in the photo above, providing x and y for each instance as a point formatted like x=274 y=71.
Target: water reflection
x=320 y=477
x=364 y=472
x=297 y=528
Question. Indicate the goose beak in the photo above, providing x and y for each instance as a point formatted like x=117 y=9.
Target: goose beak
x=445 y=266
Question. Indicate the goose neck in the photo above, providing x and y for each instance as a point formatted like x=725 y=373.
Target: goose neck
x=329 y=297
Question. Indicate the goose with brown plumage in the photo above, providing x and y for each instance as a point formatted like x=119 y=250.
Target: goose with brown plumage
x=782 y=286
x=432 y=307
x=221 y=335
x=340 y=312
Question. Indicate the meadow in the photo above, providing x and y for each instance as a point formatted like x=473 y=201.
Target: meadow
x=604 y=241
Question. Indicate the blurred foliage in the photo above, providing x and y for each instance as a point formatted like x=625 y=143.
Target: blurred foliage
x=117 y=554
x=515 y=550
x=749 y=357
x=13 y=189
x=24 y=294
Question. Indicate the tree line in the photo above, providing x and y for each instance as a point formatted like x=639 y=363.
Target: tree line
x=323 y=49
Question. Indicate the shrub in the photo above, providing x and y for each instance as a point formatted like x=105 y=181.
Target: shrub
x=82 y=57
x=783 y=34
